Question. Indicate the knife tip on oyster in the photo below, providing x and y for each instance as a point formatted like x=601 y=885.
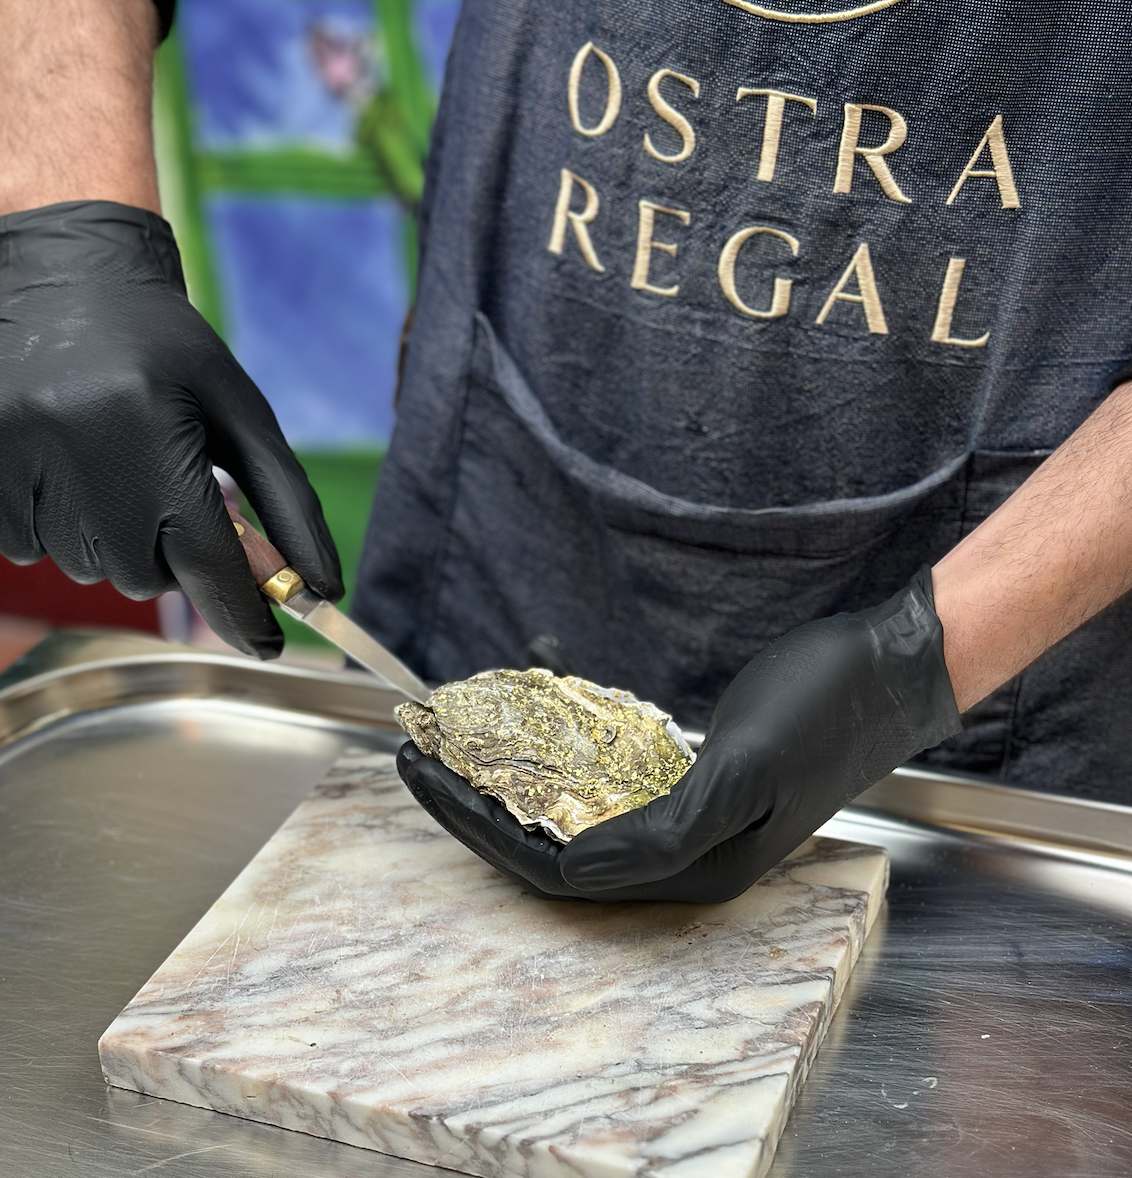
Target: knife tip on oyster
x=562 y=754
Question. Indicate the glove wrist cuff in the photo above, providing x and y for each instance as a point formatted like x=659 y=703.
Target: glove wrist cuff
x=82 y=235
x=910 y=636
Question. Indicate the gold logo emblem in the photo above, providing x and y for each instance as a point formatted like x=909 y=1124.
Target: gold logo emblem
x=812 y=18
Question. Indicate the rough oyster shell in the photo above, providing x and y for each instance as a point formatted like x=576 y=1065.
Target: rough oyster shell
x=560 y=753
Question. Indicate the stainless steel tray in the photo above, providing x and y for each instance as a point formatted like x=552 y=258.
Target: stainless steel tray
x=986 y=1030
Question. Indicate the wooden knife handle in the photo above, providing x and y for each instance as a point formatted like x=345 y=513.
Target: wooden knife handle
x=272 y=573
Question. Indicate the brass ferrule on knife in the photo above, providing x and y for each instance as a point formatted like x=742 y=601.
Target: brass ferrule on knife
x=279 y=582
x=272 y=573
x=283 y=585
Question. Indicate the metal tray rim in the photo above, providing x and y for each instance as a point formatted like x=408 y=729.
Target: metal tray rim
x=71 y=674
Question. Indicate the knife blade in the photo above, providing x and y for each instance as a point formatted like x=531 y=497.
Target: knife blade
x=279 y=582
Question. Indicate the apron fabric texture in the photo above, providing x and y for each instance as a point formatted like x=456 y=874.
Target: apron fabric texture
x=731 y=316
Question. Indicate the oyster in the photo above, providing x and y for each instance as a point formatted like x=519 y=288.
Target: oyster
x=560 y=753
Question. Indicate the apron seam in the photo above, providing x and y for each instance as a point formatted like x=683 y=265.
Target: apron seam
x=440 y=559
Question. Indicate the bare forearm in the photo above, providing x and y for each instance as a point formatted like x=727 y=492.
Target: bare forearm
x=76 y=82
x=1053 y=555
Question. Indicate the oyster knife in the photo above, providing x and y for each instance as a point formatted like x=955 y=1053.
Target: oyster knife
x=278 y=581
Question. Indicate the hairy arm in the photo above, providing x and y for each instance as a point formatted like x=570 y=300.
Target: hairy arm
x=76 y=82
x=1053 y=555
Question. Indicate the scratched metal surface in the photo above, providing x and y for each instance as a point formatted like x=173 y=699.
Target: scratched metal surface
x=987 y=1028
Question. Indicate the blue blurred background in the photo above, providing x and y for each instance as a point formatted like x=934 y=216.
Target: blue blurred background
x=291 y=135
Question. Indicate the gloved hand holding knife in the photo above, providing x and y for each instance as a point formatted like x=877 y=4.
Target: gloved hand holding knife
x=278 y=581
x=117 y=400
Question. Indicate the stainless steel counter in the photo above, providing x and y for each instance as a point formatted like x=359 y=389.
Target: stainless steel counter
x=986 y=1030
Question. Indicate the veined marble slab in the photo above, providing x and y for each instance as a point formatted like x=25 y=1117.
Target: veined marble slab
x=368 y=979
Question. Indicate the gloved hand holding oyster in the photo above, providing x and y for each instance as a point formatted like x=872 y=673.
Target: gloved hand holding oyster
x=561 y=754
x=812 y=720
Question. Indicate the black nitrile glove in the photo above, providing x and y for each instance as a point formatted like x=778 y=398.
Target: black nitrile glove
x=809 y=723
x=116 y=399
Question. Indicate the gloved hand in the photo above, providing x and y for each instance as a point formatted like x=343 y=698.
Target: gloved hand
x=817 y=717
x=116 y=398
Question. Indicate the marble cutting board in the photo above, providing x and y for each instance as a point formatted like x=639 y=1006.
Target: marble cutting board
x=368 y=979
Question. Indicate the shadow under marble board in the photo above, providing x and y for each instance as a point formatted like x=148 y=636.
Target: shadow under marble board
x=368 y=979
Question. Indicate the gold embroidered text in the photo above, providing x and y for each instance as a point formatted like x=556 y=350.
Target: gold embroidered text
x=780 y=299
x=612 y=96
x=772 y=126
x=941 y=332
x=1001 y=171
x=850 y=132
x=672 y=117
x=861 y=267
x=646 y=244
x=564 y=215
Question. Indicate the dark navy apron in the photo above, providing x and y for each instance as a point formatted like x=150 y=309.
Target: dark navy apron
x=732 y=316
